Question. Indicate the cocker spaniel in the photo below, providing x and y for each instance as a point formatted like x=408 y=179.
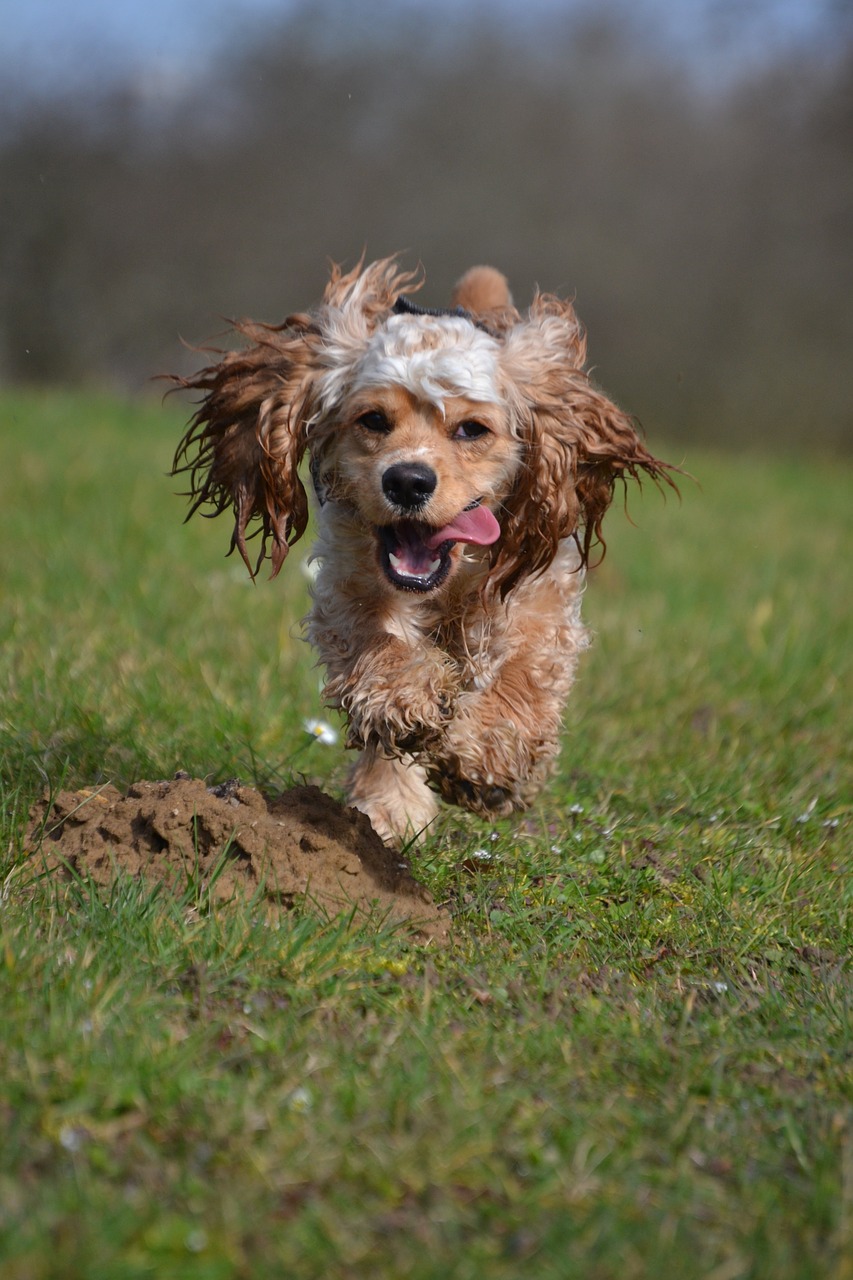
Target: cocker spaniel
x=462 y=463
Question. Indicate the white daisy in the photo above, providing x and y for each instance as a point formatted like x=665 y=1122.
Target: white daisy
x=322 y=731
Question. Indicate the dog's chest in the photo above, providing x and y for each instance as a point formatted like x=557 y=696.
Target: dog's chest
x=475 y=638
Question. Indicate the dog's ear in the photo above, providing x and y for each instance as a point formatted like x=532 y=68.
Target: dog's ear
x=576 y=445
x=243 y=446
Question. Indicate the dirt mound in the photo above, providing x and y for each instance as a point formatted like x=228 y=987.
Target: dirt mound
x=300 y=848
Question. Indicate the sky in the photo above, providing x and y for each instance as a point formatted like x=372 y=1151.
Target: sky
x=44 y=40
x=49 y=44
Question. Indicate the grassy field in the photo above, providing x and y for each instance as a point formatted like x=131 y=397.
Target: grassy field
x=634 y=1060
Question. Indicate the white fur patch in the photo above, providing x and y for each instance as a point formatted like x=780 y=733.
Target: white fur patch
x=431 y=356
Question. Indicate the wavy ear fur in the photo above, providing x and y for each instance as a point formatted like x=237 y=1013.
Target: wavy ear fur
x=577 y=445
x=243 y=447
x=371 y=290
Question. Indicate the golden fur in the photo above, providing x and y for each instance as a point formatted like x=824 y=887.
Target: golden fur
x=463 y=463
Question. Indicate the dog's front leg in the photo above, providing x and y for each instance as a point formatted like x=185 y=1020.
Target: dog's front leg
x=396 y=688
x=396 y=698
x=394 y=795
x=498 y=750
x=501 y=743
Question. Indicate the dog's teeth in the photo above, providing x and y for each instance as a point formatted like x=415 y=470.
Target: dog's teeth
x=398 y=567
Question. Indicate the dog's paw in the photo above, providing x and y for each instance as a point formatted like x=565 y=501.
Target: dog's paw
x=410 y=714
x=477 y=795
x=492 y=770
x=482 y=794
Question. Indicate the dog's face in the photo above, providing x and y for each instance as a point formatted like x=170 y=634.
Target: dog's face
x=432 y=429
x=420 y=446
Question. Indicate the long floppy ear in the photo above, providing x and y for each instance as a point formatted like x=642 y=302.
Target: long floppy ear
x=243 y=446
x=576 y=445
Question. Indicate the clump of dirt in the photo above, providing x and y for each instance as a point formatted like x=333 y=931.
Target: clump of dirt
x=300 y=849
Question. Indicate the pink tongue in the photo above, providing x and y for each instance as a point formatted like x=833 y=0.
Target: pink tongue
x=477 y=525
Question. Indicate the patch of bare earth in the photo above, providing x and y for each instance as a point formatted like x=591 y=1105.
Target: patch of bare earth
x=298 y=849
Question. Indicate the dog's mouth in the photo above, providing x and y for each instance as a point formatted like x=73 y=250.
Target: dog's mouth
x=417 y=557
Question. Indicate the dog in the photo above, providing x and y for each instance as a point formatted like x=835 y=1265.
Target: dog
x=462 y=463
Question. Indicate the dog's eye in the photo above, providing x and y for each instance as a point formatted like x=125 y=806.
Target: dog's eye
x=470 y=430
x=374 y=420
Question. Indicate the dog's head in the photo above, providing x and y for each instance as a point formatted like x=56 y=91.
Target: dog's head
x=432 y=430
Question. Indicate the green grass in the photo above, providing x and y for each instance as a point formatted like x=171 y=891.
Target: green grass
x=636 y=1058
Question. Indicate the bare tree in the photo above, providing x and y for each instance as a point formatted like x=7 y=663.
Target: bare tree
x=706 y=234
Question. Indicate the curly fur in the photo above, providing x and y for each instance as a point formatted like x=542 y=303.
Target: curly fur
x=463 y=463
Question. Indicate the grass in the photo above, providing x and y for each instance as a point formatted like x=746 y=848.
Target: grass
x=635 y=1059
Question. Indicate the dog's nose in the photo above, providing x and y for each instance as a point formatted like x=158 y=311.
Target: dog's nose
x=409 y=484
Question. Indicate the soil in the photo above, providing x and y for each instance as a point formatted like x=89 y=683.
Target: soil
x=300 y=849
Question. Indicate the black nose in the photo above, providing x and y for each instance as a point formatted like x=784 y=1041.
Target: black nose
x=409 y=484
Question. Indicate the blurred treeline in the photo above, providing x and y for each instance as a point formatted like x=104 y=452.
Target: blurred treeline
x=705 y=229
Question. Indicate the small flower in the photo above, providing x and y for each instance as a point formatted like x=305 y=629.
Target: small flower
x=72 y=1137
x=300 y=1100
x=323 y=732
x=196 y=1241
x=810 y=808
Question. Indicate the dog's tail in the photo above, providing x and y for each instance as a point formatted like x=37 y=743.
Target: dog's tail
x=482 y=290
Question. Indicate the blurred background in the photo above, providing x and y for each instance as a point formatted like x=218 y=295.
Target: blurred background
x=684 y=168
